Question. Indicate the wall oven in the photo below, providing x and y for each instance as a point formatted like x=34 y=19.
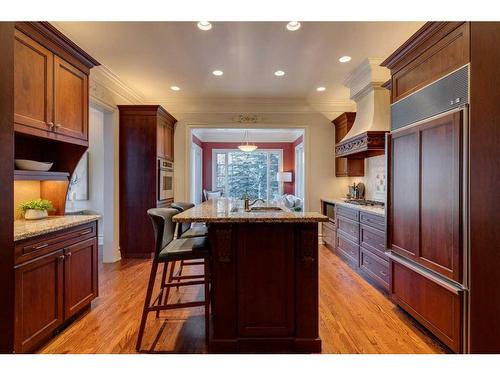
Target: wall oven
x=165 y=179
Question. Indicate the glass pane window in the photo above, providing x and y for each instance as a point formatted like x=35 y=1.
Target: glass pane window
x=251 y=174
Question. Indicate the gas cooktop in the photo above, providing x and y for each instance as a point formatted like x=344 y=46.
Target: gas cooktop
x=364 y=202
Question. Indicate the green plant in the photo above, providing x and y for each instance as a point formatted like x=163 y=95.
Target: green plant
x=36 y=204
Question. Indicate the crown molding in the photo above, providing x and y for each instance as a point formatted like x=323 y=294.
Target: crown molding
x=102 y=78
x=367 y=76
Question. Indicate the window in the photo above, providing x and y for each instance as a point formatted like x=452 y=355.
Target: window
x=237 y=173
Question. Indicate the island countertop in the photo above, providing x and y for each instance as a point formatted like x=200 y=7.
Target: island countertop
x=224 y=210
x=30 y=228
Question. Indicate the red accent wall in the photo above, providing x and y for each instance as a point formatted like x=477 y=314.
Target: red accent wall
x=197 y=141
x=288 y=159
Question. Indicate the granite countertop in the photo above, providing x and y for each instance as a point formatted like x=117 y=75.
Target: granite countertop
x=24 y=229
x=226 y=210
x=377 y=210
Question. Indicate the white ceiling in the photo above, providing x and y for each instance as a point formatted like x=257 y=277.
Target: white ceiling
x=254 y=135
x=152 y=56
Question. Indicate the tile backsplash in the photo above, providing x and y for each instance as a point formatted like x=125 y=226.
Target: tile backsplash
x=375 y=178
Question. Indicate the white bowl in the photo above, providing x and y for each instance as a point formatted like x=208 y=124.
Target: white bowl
x=31 y=165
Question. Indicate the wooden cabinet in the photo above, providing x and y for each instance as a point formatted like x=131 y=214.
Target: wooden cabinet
x=146 y=134
x=347 y=167
x=51 y=96
x=360 y=240
x=425 y=194
x=80 y=276
x=56 y=277
x=39 y=300
x=33 y=84
x=165 y=138
x=70 y=100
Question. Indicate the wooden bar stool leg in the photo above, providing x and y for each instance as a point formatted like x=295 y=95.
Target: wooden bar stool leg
x=170 y=278
x=207 y=300
x=162 y=287
x=147 y=302
x=180 y=270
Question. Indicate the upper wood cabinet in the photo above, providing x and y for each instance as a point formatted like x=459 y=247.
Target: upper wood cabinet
x=347 y=167
x=71 y=100
x=165 y=135
x=33 y=83
x=50 y=84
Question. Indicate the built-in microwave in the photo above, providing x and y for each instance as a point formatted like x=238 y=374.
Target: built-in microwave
x=165 y=179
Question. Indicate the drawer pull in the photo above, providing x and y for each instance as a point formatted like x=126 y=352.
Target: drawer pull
x=366 y=262
x=86 y=232
x=383 y=273
x=40 y=246
x=68 y=255
x=61 y=258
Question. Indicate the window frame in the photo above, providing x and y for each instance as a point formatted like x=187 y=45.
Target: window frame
x=225 y=151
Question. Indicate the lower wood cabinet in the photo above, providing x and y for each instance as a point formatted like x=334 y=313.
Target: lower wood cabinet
x=433 y=304
x=39 y=300
x=329 y=235
x=53 y=287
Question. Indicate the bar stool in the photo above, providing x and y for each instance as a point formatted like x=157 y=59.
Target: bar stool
x=185 y=230
x=169 y=250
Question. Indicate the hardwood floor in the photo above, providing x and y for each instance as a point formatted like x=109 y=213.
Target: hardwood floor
x=355 y=317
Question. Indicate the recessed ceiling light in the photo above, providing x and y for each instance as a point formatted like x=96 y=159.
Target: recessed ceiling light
x=293 y=25
x=204 y=25
x=217 y=72
x=345 y=59
x=175 y=88
x=321 y=88
x=279 y=73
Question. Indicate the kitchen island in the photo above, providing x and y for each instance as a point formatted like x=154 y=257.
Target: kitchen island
x=264 y=277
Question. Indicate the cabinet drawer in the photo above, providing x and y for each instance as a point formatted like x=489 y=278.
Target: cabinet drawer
x=348 y=249
x=372 y=220
x=438 y=308
x=347 y=212
x=329 y=235
x=373 y=240
x=348 y=228
x=33 y=247
x=375 y=267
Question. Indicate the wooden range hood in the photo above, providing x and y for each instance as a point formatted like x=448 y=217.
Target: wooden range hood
x=366 y=138
x=364 y=145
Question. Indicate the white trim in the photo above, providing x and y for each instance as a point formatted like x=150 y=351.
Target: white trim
x=216 y=151
x=295 y=185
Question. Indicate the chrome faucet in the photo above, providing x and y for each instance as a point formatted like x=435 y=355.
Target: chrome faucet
x=249 y=204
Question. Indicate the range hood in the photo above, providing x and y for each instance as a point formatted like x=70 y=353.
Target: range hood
x=367 y=135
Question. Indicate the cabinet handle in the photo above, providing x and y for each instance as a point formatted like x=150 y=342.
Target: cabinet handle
x=56 y=126
x=61 y=258
x=50 y=125
x=85 y=232
x=383 y=273
x=68 y=255
x=366 y=262
x=40 y=246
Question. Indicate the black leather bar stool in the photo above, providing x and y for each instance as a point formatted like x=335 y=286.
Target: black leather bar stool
x=186 y=230
x=167 y=251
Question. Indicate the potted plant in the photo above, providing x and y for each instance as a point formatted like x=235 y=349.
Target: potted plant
x=36 y=209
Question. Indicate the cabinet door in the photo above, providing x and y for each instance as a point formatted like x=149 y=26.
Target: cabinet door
x=425 y=217
x=70 y=100
x=160 y=139
x=39 y=300
x=169 y=142
x=80 y=276
x=33 y=84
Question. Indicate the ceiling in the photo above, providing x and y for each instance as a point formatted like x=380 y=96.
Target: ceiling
x=254 y=135
x=150 y=57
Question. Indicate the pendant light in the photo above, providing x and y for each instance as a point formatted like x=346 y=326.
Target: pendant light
x=245 y=146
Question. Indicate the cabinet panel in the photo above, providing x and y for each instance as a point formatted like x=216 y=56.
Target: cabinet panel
x=39 y=300
x=80 y=276
x=440 y=217
x=169 y=142
x=160 y=139
x=373 y=240
x=348 y=249
x=33 y=80
x=329 y=234
x=404 y=194
x=437 y=308
x=375 y=267
x=348 y=228
x=70 y=100
x=450 y=53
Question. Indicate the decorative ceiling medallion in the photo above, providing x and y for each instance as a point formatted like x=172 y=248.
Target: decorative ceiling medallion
x=247 y=119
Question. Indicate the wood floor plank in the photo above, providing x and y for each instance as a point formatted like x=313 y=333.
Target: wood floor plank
x=355 y=316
